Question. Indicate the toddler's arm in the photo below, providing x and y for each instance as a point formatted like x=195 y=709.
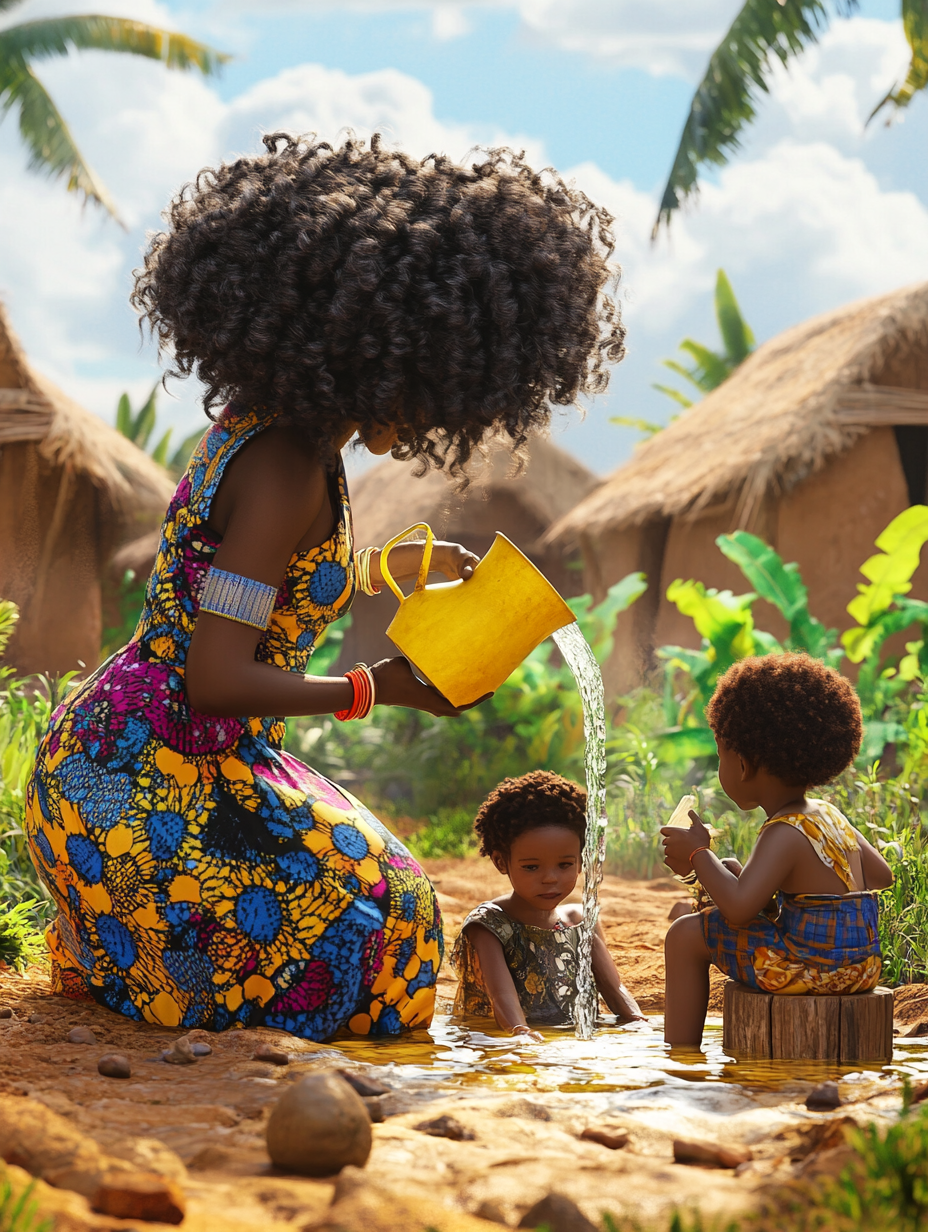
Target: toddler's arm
x=877 y=873
x=498 y=982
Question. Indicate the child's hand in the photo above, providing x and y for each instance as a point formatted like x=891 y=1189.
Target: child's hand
x=679 y=843
x=523 y=1030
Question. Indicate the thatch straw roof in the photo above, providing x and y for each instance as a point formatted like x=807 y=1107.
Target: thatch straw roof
x=801 y=398
x=33 y=409
x=389 y=496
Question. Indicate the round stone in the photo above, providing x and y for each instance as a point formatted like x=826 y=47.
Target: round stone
x=5 y=1011
x=318 y=1127
x=267 y=1052
x=114 y=1065
x=81 y=1035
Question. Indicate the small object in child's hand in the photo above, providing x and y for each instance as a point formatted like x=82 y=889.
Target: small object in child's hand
x=711 y=1154
x=824 y=1097
x=612 y=1136
x=681 y=814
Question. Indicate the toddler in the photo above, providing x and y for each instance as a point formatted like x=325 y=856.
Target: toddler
x=516 y=956
x=783 y=724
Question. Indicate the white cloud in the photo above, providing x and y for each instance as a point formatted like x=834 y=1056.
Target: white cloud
x=449 y=22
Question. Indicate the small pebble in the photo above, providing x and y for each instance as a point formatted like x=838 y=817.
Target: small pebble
x=374 y=1108
x=365 y=1087
x=114 y=1065
x=558 y=1213
x=200 y=1049
x=5 y=1011
x=181 y=1054
x=917 y=1029
x=612 y=1136
x=446 y=1127
x=36 y=1018
x=81 y=1035
x=274 y=1056
x=713 y=1154
x=823 y=1098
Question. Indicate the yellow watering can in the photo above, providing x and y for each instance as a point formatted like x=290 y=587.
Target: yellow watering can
x=465 y=637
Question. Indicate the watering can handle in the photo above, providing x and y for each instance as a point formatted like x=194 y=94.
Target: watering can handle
x=423 y=568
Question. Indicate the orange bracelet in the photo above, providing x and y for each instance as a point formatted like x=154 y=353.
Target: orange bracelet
x=362 y=682
x=697 y=850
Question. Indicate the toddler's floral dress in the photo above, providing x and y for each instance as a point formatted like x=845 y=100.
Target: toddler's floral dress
x=203 y=876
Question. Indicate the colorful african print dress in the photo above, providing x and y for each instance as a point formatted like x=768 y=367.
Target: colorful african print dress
x=203 y=876
x=543 y=962
x=813 y=943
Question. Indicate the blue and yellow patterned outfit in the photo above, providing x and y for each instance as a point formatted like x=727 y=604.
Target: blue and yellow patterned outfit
x=203 y=876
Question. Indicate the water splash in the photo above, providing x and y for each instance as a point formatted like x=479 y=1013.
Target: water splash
x=582 y=662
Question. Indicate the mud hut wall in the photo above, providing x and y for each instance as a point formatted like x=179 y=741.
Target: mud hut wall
x=607 y=559
x=50 y=561
x=829 y=523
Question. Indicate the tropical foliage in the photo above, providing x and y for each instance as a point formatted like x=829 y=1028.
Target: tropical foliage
x=48 y=139
x=138 y=426
x=764 y=33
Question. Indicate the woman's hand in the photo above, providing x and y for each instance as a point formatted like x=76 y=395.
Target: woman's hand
x=397 y=685
x=679 y=844
x=451 y=559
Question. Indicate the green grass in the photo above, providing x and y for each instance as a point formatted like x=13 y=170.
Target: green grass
x=20 y=1214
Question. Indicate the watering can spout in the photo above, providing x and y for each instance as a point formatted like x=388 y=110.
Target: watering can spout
x=466 y=637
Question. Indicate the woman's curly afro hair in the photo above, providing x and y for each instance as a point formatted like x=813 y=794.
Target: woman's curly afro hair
x=527 y=803
x=790 y=714
x=355 y=285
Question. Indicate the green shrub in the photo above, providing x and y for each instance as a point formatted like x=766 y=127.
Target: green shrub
x=20 y=1214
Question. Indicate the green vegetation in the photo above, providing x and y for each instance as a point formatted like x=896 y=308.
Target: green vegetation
x=19 y=1214
x=763 y=34
x=47 y=137
x=138 y=426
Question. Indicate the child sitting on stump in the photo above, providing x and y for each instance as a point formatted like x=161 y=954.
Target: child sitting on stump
x=783 y=724
x=517 y=955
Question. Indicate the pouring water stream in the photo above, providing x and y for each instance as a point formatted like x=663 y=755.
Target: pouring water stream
x=582 y=662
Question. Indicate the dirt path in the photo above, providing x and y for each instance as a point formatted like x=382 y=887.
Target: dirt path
x=198 y=1131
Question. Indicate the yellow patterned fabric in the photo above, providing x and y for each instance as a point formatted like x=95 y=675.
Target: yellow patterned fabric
x=203 y=876
x=817 y=943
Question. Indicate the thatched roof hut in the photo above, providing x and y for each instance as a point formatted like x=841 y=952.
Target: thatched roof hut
x=814 y=443
x=71 y=490
x=389 y=497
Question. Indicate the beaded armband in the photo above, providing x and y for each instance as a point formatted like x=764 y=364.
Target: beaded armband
x=237 y=598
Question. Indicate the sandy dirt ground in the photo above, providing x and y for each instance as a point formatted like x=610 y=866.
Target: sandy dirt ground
x=194 y=1135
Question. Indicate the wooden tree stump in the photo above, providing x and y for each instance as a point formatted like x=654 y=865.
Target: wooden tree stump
x=846 y=1029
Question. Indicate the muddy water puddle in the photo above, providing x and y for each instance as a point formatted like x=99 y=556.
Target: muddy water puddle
x=465 y=1056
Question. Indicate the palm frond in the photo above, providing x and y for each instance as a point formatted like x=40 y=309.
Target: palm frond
x=915 y=24
x=764 y=31
x=51 y=147
x=736 y=333
x=678 y=396
x=56 y=36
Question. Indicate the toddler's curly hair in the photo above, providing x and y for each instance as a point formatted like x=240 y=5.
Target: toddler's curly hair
x=356 y=285
x=790 y=714
x=527 y=803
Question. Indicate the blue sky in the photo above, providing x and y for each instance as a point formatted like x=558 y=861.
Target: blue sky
x=817 y=209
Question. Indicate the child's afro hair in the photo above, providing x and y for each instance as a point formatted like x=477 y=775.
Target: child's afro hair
x=355 y=286
x=790 y=714
x=527 y=803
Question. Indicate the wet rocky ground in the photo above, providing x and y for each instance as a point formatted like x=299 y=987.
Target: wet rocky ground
x=459 y=1147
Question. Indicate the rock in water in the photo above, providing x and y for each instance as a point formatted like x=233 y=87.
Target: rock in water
x=557 y=1213
x=362 y=1084
x=318 y=1127
x=114 y=1065
x=81 y=1035
x=824 y=1097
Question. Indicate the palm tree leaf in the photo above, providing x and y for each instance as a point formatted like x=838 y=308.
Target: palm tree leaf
x=736 y=333
x=915 y=24
x=676 y=394
x=51 y=147
x=57 y=36
x=763 y=31
x=144 y=423
x=160 y=452
x=124 y=416
x=711 y=368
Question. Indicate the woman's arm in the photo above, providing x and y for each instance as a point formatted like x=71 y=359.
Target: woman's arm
x=498 y=982
x=272 y=500
x=877 y=873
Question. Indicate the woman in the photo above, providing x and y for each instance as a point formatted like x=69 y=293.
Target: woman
x=203 y=876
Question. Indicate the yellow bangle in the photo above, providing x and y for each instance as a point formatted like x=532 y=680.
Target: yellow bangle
x=363 y=570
